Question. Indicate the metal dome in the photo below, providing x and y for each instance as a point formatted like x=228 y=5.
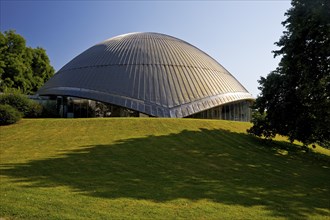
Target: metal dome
x=152 y=73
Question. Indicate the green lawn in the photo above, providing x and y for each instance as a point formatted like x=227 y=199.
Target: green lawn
x=124 y=168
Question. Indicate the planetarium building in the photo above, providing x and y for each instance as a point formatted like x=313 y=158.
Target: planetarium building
x=148 y=74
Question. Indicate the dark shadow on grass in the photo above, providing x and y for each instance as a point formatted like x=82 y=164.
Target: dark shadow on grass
x=218 y=165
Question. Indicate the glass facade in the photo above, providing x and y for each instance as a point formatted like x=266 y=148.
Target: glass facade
x=71 y=107
x=236 y=111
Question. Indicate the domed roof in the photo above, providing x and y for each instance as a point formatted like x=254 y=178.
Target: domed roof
x=151 y=73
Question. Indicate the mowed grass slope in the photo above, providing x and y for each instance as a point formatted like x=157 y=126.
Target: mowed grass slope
x=125 y=168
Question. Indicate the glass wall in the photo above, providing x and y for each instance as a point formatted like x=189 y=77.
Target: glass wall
x=71 y=107
x=236 y=111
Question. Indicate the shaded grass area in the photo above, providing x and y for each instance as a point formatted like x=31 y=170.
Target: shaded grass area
x=156 y=168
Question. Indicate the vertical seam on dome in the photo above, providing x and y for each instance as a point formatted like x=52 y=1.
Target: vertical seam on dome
x=190 y=83
x=172 y=86
x=183 y=87
x=123 y=46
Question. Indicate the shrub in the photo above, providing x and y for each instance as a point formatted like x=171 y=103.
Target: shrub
x=35 y=110
x=261 y=126
x=18 y=101
x=9 y=115
x=22 y=103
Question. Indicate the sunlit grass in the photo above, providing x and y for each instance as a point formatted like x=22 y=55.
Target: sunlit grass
x=125 y=168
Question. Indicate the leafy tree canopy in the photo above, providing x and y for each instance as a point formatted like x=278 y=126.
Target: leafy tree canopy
x=21 y=67
x=295 y=98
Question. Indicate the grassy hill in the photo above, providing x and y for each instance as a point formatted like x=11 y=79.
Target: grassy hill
x=124 y=168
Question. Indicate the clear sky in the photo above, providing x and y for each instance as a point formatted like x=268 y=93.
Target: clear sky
x=240 y=35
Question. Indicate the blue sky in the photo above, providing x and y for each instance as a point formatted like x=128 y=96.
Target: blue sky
x=240 y=35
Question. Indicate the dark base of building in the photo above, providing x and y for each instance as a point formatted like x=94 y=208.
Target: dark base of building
x=72 y=107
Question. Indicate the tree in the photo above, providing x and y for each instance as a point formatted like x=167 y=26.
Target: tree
x=9 y=115
x=295 y=98
x=22 y=67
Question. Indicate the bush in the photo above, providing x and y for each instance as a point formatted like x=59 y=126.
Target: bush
x=35 y=110
x=22 y=103
x=18 y=101
x=9 y=115
x=261 y=126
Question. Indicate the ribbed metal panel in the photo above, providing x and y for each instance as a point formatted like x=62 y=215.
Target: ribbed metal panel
x=149 y=72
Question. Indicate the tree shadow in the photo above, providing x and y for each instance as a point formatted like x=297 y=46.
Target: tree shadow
x=217 y=165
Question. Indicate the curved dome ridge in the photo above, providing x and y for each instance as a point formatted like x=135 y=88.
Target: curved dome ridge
x=134 y=49
x=149 y=72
